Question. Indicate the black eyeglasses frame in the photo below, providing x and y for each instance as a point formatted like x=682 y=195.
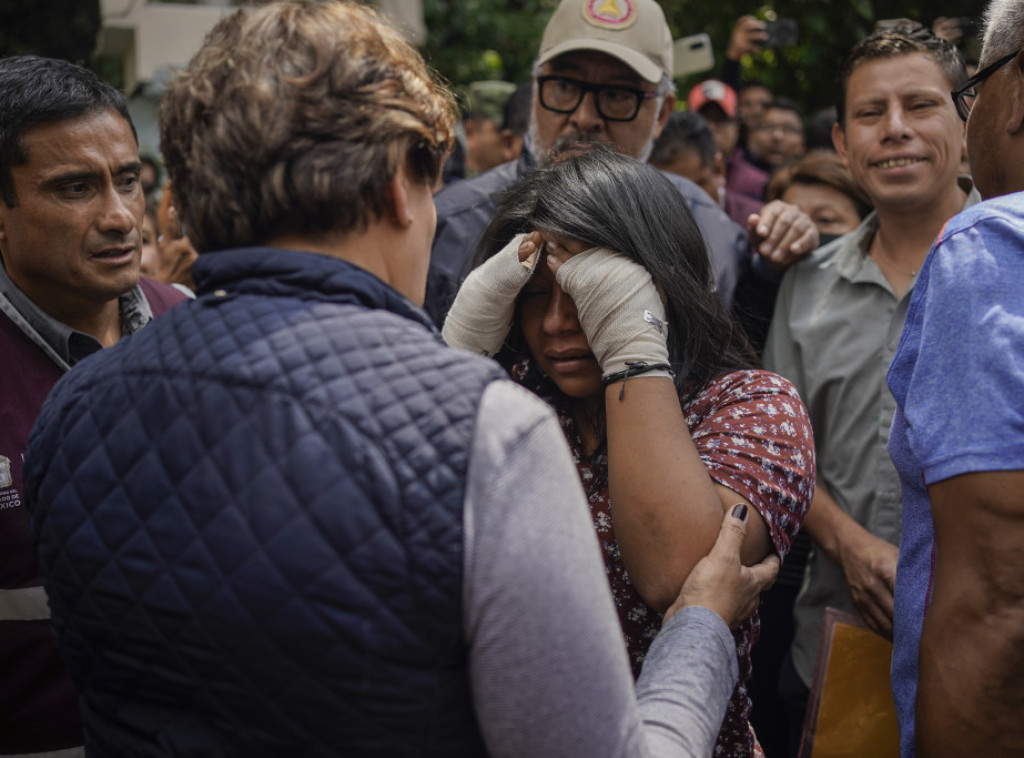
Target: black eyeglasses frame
x=963 y=110
x=595 y=90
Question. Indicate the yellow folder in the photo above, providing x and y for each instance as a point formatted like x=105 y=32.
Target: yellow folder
x=851 y=712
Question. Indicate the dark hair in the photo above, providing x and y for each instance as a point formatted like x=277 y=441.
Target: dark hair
x=819 y=167
x=516 y=117
x=752 y=84
x=603 y=198
x=293 y=118
x=785 y=104
x=158 y=172
x=36 y=91
x=685 y=131
x=819 y=129
x=903 y=38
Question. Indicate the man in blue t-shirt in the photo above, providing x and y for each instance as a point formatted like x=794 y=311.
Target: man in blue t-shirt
x=958 y=442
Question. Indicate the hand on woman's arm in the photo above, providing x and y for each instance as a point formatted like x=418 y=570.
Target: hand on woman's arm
x=545 y=645
x=665 y=505
x=721 y=582
x=719 y=588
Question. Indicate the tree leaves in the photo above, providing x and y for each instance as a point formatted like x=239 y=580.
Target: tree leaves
x=470 y=40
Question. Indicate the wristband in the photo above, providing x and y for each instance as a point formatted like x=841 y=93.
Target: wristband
x=634 y=368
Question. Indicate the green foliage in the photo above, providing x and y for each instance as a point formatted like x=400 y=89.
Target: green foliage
x=470 y=40
x=805 y=72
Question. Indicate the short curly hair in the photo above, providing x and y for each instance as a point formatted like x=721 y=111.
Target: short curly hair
x=293 y=119
x=903 y=38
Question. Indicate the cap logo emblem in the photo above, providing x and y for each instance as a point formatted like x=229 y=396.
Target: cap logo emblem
x=610 y=14
x=713 y=90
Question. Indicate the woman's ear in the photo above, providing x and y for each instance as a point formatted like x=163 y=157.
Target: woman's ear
x=398 y=197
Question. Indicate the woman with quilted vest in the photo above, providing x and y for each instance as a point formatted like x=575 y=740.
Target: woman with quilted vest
x=288 y=520
x=594 y=289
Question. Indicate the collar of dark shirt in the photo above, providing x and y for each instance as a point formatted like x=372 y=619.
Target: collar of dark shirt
x=70 y=344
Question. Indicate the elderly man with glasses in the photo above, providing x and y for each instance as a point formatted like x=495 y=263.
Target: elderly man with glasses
x=604 y=75
x=958 y=441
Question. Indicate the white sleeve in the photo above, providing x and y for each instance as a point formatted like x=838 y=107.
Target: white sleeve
x=548 y=664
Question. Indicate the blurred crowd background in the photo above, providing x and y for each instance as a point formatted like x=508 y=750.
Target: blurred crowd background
x=137 y=44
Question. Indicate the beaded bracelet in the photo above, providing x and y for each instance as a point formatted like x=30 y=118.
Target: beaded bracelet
x=634 y=368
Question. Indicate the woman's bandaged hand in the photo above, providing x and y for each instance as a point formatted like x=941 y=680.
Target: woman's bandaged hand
x=619 y=309
x=482 y=313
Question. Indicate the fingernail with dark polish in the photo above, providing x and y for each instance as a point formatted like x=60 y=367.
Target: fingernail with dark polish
x=740 y=511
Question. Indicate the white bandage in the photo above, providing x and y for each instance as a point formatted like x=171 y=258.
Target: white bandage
x=482 y=313
x=619 y=309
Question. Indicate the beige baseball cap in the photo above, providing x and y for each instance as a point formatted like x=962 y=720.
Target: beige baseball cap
x=634 y=31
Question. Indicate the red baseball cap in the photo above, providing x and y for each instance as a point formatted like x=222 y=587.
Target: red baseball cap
x=713 y=91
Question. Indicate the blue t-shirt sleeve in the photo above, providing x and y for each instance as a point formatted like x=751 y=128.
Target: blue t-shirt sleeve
x=965 y=395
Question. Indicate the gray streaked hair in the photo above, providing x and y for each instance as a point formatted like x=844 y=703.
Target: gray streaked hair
x=1004 y=30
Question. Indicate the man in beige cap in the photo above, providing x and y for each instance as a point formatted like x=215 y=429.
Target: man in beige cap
x=621 y=53
x=603 y=75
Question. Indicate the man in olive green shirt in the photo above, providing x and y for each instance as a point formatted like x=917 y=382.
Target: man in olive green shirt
x=840 y=313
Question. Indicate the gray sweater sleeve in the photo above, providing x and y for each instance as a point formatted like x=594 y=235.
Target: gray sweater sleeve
x=547 y=661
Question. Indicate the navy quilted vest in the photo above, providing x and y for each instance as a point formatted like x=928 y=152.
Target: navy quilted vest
x=38 y=704
x=249 y=519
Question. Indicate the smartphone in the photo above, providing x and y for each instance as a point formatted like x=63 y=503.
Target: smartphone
x=782 y=32
x=692 y=55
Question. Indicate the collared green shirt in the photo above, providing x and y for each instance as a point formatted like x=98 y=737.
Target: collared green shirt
x=836 y=326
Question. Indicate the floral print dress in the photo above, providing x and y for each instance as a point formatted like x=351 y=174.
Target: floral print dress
x=754 y=436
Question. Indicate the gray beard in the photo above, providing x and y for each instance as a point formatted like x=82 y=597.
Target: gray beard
x=545 y=154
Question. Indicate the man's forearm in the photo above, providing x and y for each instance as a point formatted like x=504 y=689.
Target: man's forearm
x=826 y=522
